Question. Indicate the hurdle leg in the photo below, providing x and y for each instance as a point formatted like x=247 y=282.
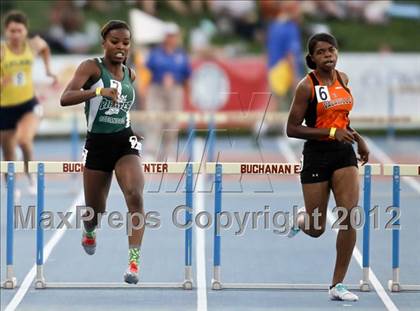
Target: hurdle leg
x=394 y=284
x=364 y=283
x=211 y=140
x=216 y=280
x=10 y=281
x=191 y=139
x=188 y=282
x=39 y=279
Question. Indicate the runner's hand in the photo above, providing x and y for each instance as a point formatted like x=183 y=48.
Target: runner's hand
x=343 y=135
x=111 y=93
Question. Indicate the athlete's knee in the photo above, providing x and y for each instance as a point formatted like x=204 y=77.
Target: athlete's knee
x=133 y=195
x=314 y=226
x=316 y=232
x=346 y=217
x=25 y=144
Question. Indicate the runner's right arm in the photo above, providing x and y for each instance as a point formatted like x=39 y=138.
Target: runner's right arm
x=74 y=94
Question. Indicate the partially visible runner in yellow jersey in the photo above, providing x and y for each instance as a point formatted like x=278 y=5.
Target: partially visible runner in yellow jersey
x=16 y=69
x=19 y=109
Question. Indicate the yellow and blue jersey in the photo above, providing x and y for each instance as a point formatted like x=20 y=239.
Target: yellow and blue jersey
x=16 y=70
x=283 y=38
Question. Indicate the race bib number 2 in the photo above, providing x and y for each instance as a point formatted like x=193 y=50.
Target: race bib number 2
x=117 y=85
x=135 y=144
x=322 y=93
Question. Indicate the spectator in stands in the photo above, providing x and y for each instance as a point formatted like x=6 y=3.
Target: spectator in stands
x=102 y=6
x=66 y=34
x=179 y=7
x=284 y=53
x=170 y=68
x=239 y=17
x=371 y=12
x=268 y=10
x=323 y=9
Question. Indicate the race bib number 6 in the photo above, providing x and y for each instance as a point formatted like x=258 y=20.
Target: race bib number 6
x=322 y=93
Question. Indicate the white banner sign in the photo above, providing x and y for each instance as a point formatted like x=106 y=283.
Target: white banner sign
x=383 y=84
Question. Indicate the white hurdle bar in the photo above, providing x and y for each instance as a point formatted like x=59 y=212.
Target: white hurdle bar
x=396 y=171
x=218 y=169
x=10 y=168
x=42 y=168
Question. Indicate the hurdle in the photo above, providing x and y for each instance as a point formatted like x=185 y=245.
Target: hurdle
x=42 y=168
x=10 y=168
x=218 y=169
x=396 y=171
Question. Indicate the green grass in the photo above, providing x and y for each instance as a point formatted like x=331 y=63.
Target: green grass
x=399 y=35
x=36 y=10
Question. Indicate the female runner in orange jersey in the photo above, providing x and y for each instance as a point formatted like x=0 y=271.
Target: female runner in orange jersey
x=323 y=100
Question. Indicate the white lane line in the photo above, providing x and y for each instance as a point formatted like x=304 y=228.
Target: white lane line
x=27 y=282
x=200 y=234
x=385 y=159
x=389 y=304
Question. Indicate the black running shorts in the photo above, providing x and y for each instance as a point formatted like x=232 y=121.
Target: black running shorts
x=10 y=116
x=102 y=151
x=322 y=158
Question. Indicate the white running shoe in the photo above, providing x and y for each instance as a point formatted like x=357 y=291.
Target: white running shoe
x=294 y=229
x=340 y=292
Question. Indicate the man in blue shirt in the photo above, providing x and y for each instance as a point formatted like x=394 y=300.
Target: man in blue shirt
x=170 y=68
x=284 y=51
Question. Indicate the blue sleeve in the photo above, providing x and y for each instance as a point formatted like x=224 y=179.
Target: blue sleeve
x=187 y=68
x=296 y=49
x=277 y=42
x=150 y=64
x=294 y=42
x=271 y=45
x=290 y=42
